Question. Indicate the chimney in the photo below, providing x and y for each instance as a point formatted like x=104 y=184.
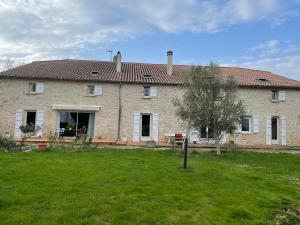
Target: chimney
x=119 y=64
x=170 y=62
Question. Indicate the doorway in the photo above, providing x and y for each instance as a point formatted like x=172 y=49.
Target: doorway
x=274 y=130
x=146 y=127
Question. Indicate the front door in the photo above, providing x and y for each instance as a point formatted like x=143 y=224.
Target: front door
x=145 y=127
x=274 y=130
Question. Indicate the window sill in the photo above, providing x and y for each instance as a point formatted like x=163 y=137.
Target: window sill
x=32 y=93
x=246 y=132
x=146 y=97
x=91 y=95
x=275 y=101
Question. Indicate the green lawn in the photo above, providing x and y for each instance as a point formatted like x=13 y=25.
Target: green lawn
x=148 y=187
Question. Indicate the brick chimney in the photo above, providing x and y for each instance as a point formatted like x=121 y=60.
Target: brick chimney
x=170 y=62
x=118 y=60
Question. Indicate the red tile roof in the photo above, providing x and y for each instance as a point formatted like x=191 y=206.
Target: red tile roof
x=133 y=73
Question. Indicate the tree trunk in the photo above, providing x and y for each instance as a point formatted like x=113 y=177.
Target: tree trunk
x=218 y=149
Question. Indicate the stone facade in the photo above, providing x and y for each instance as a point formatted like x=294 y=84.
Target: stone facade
x=14 y=96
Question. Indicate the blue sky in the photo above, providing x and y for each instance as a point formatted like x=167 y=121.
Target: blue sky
x=261 y=34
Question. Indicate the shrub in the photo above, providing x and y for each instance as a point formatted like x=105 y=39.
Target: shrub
x=52 y=137
x=8 y=144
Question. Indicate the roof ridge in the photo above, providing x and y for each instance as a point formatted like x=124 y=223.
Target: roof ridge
x=158 y=64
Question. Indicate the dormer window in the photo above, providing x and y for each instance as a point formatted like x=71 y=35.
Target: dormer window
x=147 y=76
x=94 y=72
x=263 y=80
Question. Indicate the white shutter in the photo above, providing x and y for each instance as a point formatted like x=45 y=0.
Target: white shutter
x=194 y=136
x=19 y=118
x=136 y=127
x=281 y=95
x=283 y=130
x=238 y=128
x=155 y=127
x=255 y=124
x=40 y=88
x=152 y=91
x=223 y=137
x=98 y=90
x=40 y=122
x=268 y=130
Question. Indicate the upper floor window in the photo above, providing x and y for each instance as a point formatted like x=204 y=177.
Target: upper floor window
x=91 y=89
x=221 y=94
x=32 y=87
x=36 y=88
x=94 y=90
x=275 y=95
x=147 y=91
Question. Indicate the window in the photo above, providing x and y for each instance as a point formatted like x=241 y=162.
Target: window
x=221 y=94
x=147 y=91
x=147 y=76
x=206 y=132
x=30 y=118
x=91 y=89
x=246 y=124
x=73 y=123
x=94 y=72
x=275 y=95
x=32 y=88
x=263 y=80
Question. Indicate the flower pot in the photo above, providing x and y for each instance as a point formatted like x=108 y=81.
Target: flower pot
x=42 y=147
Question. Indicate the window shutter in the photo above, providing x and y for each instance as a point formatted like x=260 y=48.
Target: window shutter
x=155 y=127
x=268 y=130
x=194 y=136
x=19 y=118
x=98 y=90
x=256 y=124
x=238 y=128
x=136 y=127
x=152 y=91
x=40 y=122
x=223 y=137
x=40 y=88
x=282 y=96
x=283 y=130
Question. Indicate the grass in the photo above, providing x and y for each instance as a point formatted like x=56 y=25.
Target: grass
x=148 y=187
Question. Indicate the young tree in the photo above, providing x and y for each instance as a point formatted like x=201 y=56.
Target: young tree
x=210 y=101
x=28 y=131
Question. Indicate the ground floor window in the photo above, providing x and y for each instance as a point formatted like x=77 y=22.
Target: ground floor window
x=30 y=118
x=74 y=123
x=206 y=132
x=246 y=124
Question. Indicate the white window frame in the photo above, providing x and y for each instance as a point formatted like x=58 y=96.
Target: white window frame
x=30 y=86
x=147 y=95
x=250 y=124
x=277 y=95
x=88 y=90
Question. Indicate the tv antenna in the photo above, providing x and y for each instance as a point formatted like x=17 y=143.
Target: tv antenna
x=110 y=52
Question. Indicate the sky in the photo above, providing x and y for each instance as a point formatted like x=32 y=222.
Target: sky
x=257 y=34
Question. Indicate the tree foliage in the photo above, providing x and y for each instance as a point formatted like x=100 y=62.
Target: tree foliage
x=210 y=101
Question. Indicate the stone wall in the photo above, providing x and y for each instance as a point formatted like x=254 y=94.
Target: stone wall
x=14 y=95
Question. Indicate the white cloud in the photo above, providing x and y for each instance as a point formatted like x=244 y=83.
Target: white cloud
x=43 y=29
x=278 y=57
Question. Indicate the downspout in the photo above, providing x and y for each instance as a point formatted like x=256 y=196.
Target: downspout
x=120 y=110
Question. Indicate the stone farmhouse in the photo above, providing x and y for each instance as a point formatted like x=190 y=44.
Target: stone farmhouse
x=133 y=102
